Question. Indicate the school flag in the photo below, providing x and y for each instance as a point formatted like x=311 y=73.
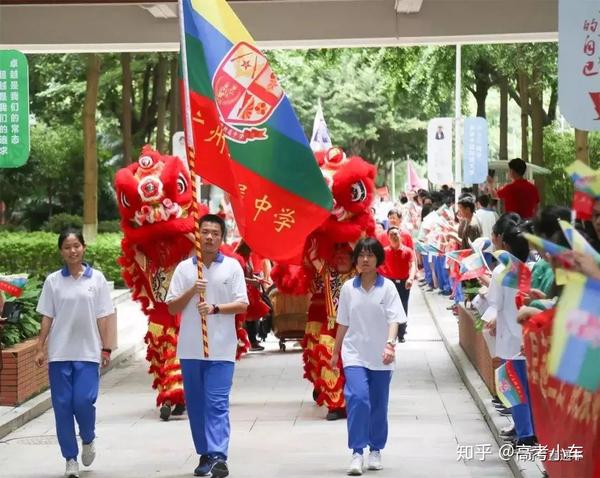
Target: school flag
x=548 y=247
x=575 y=348
x=587 y=188
x=564 y=414
x=459 y=255
x=13 y=284
x=516 y=274
x=320 y=139
x=508 y=386
x=472 y=267
x=247 y=139
x=577 y=241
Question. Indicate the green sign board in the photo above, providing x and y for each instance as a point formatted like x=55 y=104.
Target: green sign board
x=14 y=109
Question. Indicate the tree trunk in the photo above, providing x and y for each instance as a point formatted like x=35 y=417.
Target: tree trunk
x=161 y=103
x=523 y=84
x=174 y=116
x=537 y=126
x=581 y=146
x=503 y=152
x=90 y=159
x=127 y=107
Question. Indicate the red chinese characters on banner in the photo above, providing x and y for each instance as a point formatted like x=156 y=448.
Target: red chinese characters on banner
x=565 y=416
x=579 y=63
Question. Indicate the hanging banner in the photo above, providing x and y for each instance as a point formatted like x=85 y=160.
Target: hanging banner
x=579 y=63
x=14 y=109
x=475 y=151
x=439 y=151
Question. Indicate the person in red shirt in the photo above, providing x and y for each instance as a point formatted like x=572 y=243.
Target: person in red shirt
x=395 y=219
x=399 y=267
x=520 y=195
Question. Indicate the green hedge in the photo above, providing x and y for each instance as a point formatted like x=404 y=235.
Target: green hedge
x=36 y=253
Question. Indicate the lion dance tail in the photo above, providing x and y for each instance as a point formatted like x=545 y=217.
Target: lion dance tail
x=161 y=353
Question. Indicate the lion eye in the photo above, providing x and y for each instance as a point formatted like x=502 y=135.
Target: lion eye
x=124 y=201
x=181 y=184
x=359 y=191
x=146 y=162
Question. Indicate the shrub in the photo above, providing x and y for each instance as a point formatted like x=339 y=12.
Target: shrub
x=109 y=226
x=28 y=325
x=36 y=253
x=62 y=221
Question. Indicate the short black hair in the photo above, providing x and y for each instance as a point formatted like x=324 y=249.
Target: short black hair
x=518 y=166
x=507 y=219
x=467 y=200
x=393 y=227
x=516 y=242
x=214 y=219
x=546 y=223
x=369 y=244
x=394 y=211
x=403 y=199
x=484 y=200
x=68 y=232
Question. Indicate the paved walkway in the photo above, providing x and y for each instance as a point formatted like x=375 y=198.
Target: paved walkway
x=277 y=431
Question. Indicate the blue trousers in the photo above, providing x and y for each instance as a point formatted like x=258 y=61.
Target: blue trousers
x=458 y=293
x=427 y=270
x=441 y=273
x=74 y=390
x=206 y=385
x=367 y=393
x=522 y=413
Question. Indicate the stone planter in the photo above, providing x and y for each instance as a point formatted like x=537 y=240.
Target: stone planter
x=20 y=379
x=473 y=343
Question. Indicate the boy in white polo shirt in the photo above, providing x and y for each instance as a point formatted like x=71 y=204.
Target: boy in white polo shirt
x=369 y=312
x=207 y=381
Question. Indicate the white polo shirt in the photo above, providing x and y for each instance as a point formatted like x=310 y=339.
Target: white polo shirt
x=368 y=314
x=75 y=305
x=508 y=330
x=225 y=283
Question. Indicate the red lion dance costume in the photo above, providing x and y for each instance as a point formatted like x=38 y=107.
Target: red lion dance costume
x=155 y=199
x=352 y=183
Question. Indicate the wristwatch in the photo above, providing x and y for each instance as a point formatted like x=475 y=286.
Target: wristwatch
x=391 y=342
x=216 y=309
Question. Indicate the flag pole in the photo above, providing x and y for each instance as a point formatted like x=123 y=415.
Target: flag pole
x=189 y=138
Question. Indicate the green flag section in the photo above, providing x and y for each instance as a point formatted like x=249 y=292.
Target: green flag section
x=247 y=139
x=14 y=109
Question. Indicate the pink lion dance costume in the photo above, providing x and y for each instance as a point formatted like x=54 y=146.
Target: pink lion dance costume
x=352 y=183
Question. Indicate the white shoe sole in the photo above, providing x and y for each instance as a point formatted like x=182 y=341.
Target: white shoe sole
x=375 y=468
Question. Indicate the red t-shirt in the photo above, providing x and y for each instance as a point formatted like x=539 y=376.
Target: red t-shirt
x=397 y=263
x=405 y=238
x=521 y=197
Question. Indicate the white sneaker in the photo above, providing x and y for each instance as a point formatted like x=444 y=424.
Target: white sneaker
x=374 y=461
x=72 y=470
x=88 y=453
x=356 y=465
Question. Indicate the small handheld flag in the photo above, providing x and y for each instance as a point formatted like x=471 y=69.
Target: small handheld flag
x=13 y=284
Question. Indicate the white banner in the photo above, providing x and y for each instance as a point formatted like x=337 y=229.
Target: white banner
x=320 y=140
x=439 y=151
x=579 y=62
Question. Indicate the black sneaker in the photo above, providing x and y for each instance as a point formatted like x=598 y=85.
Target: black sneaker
x=505 y=412
x=178 y=410
x=165 y=412
x=202 y=468
x=335 y=415
x=507 y=432
x=218 y=468
x=256 y=348
x=527 y=441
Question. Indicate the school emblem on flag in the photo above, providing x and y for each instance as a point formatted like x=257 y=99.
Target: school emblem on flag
x=247 y=92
